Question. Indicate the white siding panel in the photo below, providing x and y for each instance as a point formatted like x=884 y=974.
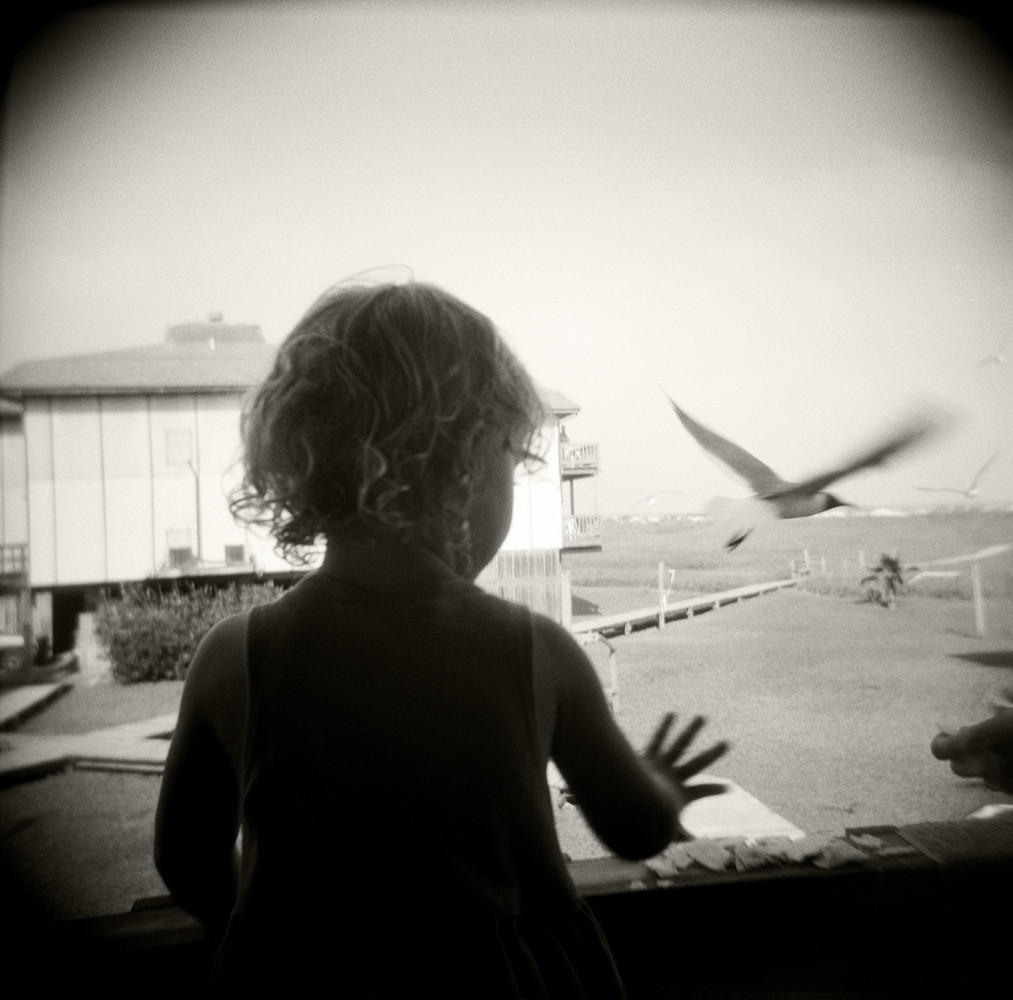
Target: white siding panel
x=13 y=486
x=80 y=532
x=126 y=443
x=41 y=498
x=126 y=451
x=546 y=505
x=130 y=548
x=77 y=481
x=538 y=501
x=519 y=536
x=39 y=440
x=218 y=449
x=174 y=489
x=42 y=534
x=77 y=444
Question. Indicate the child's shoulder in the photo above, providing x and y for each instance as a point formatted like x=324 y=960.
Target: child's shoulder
x=221 y=655
x=214 y=695
x=228 y=631
x=554 y=644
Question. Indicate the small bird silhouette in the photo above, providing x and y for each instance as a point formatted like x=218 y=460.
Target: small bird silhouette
x=995 y=358
x=653 y=499
x=971 y=491
x=782 y=499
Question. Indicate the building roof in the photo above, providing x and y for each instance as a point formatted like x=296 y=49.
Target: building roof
x=559 y=404
x=195 y=357
x=205 y=357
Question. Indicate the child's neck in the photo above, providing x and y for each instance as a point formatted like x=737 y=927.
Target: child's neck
x=385 y=565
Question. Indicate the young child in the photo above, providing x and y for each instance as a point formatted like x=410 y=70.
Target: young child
x=380 y=734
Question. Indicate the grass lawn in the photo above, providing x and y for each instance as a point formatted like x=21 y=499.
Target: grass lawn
x=829 y=703
x=695 y=552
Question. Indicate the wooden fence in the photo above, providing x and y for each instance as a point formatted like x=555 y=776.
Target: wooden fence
x=531 y=576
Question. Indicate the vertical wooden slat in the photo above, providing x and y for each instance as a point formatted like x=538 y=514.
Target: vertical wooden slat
x=530 y=577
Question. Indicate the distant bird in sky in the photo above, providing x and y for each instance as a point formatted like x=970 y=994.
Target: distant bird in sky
x=782 y=499
x=970 y=491
x=653 y=498
x=649 y=501
x=995 y=358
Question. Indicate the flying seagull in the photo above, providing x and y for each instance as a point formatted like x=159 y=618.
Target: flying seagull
x=971 y=491
x=783 y=499
x=995 y=358
x=653 y=498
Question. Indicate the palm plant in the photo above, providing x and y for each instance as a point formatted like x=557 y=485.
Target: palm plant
x=884 y=582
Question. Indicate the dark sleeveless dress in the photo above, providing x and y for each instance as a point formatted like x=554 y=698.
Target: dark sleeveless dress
x=398 y=838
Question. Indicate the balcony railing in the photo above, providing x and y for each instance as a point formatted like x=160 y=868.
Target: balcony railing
x=578 y=457
x=581 y=531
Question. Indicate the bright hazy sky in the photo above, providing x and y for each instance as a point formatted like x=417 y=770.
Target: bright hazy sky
x=793 y=218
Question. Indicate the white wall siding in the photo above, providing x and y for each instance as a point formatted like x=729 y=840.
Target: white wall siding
x=41 y=493
x=126 y=451
x=113 y=483
x=174 y=488
x=13 y=492
x=218 y=440
x=79 y=491
x=538 y=501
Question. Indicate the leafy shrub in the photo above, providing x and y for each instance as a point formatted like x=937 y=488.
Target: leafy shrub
x=152 y=636
x=884 y=582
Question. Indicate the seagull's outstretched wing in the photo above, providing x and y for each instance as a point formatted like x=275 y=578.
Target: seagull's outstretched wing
x=971 y=490
x=738 y=461
x=982 y=471
x=916 y=430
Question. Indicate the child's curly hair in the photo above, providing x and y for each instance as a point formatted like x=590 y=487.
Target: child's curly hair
x=371 y=416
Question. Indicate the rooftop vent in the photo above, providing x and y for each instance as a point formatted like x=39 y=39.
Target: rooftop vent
x=214 y=332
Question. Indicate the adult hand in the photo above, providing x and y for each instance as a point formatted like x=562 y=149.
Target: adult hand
x=983 y=750
x=667 y=761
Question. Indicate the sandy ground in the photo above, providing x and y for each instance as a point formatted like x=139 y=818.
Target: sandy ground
x=830 y=704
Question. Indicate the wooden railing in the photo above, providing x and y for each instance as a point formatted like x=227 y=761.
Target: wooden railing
x=527 y=576
x=869 y=929
x=578 y=457
x=581 y=530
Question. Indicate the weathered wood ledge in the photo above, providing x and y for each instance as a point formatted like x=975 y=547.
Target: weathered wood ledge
x=932 y=916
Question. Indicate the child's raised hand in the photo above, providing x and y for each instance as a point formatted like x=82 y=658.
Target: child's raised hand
x=665 y=761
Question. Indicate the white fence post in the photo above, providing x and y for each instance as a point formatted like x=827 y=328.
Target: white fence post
x=92 y=660
x=979 y=597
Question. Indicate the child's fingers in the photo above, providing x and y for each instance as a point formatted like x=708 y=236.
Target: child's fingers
x=704 y=789
x=659 y=734
x=683 y=740
x=700 y=761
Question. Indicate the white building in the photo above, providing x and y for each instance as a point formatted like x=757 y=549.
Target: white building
x=116 y=466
